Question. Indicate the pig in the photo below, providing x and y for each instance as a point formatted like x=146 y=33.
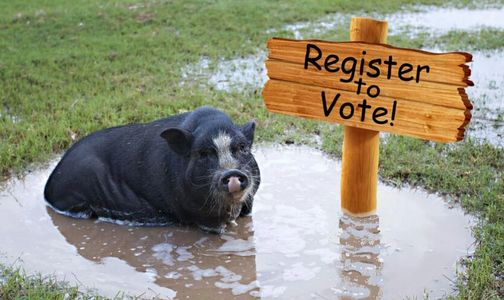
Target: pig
x=190 y=168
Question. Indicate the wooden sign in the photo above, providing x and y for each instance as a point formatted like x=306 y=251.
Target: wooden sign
x=371 y=86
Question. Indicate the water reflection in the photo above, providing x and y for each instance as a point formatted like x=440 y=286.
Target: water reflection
x=360 y=257
x=197 y=264
x=193 y=263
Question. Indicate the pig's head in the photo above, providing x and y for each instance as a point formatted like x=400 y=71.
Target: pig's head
x=220 y=174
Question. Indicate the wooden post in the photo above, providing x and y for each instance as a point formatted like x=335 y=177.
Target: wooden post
x=361 y=147
x=406 y=91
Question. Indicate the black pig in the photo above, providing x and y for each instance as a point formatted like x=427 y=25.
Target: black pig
x=194 y=167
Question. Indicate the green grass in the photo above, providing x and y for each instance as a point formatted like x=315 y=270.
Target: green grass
x=68 y=68
x=76 y=68
x=18 y=285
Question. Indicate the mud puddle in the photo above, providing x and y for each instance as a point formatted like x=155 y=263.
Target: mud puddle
x=12 y=118
x=229 y=75
x=415 y=20
x=488 y=97
x=296 y=245
x=441 y=20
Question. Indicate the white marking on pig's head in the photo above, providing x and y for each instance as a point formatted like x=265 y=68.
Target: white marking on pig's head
x=223 y=146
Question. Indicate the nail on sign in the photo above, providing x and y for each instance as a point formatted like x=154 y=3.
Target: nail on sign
x=371 y=86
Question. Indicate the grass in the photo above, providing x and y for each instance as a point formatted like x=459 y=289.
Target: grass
x=69 y=68
x=18 y=285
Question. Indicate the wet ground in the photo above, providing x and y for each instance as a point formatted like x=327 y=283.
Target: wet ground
x=487 y=67
x=296 y=245
x=413 y=21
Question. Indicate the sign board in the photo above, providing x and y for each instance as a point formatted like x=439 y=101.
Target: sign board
x=370 y=86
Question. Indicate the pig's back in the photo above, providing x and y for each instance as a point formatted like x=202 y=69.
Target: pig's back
x=114 y=170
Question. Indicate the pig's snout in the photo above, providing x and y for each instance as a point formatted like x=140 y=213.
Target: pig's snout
x=234 y=181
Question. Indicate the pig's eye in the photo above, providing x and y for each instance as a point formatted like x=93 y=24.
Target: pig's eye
x=205 y=153
x=241 y=148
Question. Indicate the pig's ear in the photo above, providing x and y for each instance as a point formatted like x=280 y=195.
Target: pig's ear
x=248 y=131
x=180 y=140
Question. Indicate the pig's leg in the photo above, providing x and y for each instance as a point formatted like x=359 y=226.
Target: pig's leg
x=73 y=185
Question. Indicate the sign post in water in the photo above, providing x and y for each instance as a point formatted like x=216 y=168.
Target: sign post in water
x=369 y=87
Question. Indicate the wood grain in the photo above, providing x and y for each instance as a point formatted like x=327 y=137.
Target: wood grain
x=416 y=119
x=361 y=147
x=435 y=108
x=448 y=68
x=424 y=92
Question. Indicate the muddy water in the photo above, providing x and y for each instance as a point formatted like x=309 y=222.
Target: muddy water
x=296 y=245
x=440 y=20
x=488 y=97
x=229 y=75
x=423 y=18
